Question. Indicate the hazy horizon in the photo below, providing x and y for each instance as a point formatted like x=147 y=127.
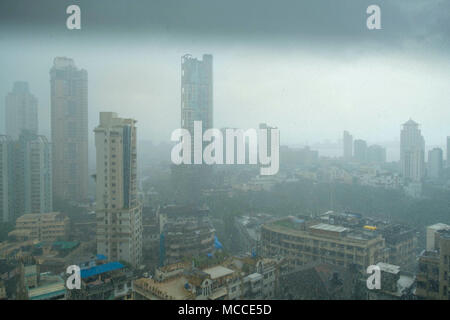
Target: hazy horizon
x=312 y=75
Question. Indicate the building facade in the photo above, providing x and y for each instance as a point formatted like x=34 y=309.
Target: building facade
x=7 y=193
x=302 y=242
x=347 y=145
x=118 y=210
x=435 y=163
x=69 y=125
x=185 y=232
x=48 y=227
x=360 y=150
x=33 y=174
x=412 y=152
x=21 y=110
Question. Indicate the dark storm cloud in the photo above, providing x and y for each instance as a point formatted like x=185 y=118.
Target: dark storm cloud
x=339 y=20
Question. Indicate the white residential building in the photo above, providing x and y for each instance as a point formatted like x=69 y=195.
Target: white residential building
x=118 y=210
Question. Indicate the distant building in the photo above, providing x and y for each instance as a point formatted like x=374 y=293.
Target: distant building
x=448 y=151
x=412 y=150
x=435 y=163
x=118 y=209
x=33 y=174
x=376 y=154
x=347 y=145
x=47 y=227
x=21 y=111
x=25 y=176
x=7 y=172
x=69 y=126
x=196 y=105
x=360 y=150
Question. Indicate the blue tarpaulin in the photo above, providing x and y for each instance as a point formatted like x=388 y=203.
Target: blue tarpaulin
x=217 y=244
x=86 y=273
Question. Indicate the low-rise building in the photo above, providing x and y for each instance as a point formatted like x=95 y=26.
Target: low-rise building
x=51 y=226
x=303 y=241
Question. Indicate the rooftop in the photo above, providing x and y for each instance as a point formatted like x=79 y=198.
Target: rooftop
x=390 y=268
x=328 y=227
x=218 y=272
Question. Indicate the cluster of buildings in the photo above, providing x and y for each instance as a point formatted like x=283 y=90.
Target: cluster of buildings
x=33 y=171
x=238 y=277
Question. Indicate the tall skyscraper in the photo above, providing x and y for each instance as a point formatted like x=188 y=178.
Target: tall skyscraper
x=7 y=193
x=196 y=105
x=196 y=93
x=69 y=122
x=412 y=152
x=118 y=210
x=20 y=110
x=348 y=145
x=435 y=163
x=448 y=151
x=33 y=174
x=360 y=150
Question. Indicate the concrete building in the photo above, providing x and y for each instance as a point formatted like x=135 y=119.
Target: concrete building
x=196 y=105
x=435 y=164
x=42 y=286
x=33 y=174
x=104 y=281
x=45 y=227
x=412 y=152
x=118 y=210
x=431 y=234
x=433 y=277
x=448 y=151
x=360 y=150
x=347 y=145
x=196 y=92
x=185 y=232
x=69 y=125
x=303 y=241
x=21 y=111
x=7 y=192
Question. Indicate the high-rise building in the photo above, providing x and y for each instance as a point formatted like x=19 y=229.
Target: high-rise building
x=118 y=210
x=20 y=110
x=376 y=154
x=6 y=179
x=33 y=174
x=448 y=151
x=196 y=93
x=196 y=105
x=69 y=123
x=412 y=152
x=360 y=150
x=348 y=145
x=435 y=163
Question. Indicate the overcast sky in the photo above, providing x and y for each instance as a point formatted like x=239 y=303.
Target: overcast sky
x=312 y=68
